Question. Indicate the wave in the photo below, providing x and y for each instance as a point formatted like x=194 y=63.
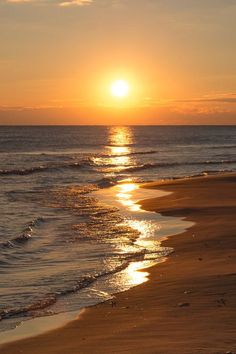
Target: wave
x=230 y=146
x=75 y=165
x=200 y=174
x=26 y=234
x=149 y=152
x=88 y=163
x=212 y=172
x=107 y=182
x=174 y=164
x=84 y=282
x=37 y=169
x=23 y=171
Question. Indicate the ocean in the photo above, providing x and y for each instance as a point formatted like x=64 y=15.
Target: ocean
x=71 y=233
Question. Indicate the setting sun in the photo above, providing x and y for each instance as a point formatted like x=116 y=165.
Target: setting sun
x=120 y=88
x=117 y=169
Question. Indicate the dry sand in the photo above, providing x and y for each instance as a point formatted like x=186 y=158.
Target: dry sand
x=188 y=304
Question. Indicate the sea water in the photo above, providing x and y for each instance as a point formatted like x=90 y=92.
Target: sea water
x=71 y=232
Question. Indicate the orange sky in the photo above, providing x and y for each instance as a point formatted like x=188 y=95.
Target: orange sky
x=59 y=58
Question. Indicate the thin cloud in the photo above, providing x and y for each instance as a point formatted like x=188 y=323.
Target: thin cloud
x=75 y=3
x=62 y=3
x=19 y=1
x=220 y=98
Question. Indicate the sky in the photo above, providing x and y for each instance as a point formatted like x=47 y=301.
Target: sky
x=59 y=58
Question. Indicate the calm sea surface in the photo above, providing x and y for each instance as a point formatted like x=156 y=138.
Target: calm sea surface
x=69 y=231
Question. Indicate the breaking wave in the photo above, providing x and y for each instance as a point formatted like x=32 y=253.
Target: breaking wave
x=25 y=236
x=52 y=298
x=90 y=164
x=175 y=164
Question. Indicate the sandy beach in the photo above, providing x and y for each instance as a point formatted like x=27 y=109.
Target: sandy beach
x=188 y=304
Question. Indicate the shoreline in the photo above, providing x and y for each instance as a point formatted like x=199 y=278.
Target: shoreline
x=134 y=274
x=190 y=295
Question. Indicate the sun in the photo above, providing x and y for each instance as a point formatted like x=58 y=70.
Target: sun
x=120 y=89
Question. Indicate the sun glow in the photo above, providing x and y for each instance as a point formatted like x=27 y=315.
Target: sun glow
x=120 y=89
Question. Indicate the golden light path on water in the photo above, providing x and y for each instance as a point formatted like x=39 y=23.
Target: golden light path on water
x=152 y=228
x=125 y=195
x=135 y=274
x=120 y=139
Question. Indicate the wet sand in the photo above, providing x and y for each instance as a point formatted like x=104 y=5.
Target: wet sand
x=189 y=303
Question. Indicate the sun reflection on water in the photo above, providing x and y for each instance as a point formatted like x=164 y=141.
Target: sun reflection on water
x=120 y=136
x=146 y=228
x=135 y=275
x=118 y=150
x=120 y=140
x=126 y=194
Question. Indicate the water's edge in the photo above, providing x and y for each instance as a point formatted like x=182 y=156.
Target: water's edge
x=41 y=325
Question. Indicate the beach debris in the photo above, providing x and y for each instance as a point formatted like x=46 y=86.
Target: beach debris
x=186 y=292
x=113 y=303
x=200 y=259
x=229 y=352
x=183 y=304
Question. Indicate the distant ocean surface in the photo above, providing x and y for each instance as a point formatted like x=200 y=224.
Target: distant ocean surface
x=57 y=238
